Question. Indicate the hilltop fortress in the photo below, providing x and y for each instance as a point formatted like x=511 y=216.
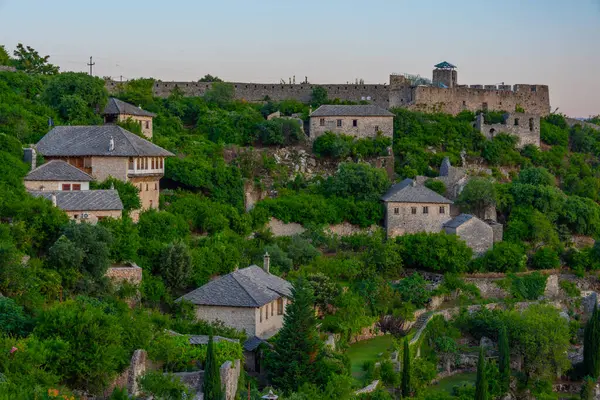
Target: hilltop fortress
x=441 y=94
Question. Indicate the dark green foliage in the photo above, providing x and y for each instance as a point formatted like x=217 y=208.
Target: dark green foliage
x=167 y=387
x=503 y=257
x=591 y=345
x=536 y=176
x=28 y=60
x=552 y=134
x=436 y=186
x=176 y=265
x=570 y=288
x=527 y=224
x=128 y=193
x=501 y=150
x=210 y=78
x=212 y=378
x=434 y=251
x=504 y=360
x=405 y=385
x=325 y=289
x=527 y=287
x=340 y=146
x=318 y=96
x=359 y=181
x=413 y=289
x=126 y=240
x=13 y=320
x=279 y=131
x=132 y=126
x=545 y=258
x=588 y=388
x=477 y=195
x=481 y=383
x=220 y=93
x=297 y=347
x=4 y=56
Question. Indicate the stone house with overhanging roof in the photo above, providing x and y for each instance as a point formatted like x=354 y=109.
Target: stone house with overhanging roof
x=249 y=299
x=105 y=151
x=119 y=111
x=57 y=175
x=359 y=121
x=478 y=234
x=85 y=205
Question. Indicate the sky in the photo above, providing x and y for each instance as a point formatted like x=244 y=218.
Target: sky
x=552 y=42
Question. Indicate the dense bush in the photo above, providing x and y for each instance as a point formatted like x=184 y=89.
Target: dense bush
x=341 y=146
x=434 y=251
x=503 y=257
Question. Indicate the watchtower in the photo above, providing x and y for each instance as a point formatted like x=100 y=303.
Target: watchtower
x=444 y=75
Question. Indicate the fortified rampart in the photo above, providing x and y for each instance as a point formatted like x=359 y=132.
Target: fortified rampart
x=444 y=95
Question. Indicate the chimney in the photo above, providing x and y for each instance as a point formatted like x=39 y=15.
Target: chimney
x=413 y=183
x=30 y=157
x=111 y=144
x=53 y=197
x=267 y=262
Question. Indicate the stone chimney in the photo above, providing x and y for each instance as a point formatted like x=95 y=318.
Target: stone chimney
x=53 y=198
x=111 y=144
x=30 y=157
x=267 y=262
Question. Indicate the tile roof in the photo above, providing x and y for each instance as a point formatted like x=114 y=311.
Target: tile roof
x=444 y=64
x=58 y=170
x=458 y=220
x=248 y=287
x=64 y=141
x=252 y=343
x=116 y=106
x=367 y=110
x=83 y=200
x=408 y=191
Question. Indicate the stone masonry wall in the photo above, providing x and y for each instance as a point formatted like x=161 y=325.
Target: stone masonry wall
x=407 y=222
x=240 y=318
x=526 y=127
x=103 y=167
x=132 y=274
x=367 y=127
x=478 y=235
x=230 y=374
x=149 y=187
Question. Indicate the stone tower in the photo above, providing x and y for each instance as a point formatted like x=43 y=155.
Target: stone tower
x=444 y=75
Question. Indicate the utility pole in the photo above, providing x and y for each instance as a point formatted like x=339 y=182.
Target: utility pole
x=91 y=64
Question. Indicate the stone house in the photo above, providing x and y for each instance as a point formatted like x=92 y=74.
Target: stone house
x=85 y=205
x=250 y=299
x=413 y=208
x=360 y=121
x=119 y=111
x=478 y=235
x=526 y=127
x=109 y=151
x=57 y=175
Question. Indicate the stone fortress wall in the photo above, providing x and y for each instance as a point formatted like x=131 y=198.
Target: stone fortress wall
x=399 y=92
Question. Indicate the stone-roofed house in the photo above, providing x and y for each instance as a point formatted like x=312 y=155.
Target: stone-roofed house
x=57 y=175
x=413 y=208
x=119 y=111
x=85 y=205
x=108 y=150
x=478 y=235
x=250 y=299
x=360 y=121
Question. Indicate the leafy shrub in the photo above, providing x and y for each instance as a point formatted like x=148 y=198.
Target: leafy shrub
x=413 y=289
x=570 y=288
x=341 y=146
x=536 y=176
x=434 y=251
x=163 y=386
x=553 y=135
x=526 y=287
x=501 y=150
x=503 y=257
x=358 y=181
x=13 y=320
x=436 y=186
x=545 y=258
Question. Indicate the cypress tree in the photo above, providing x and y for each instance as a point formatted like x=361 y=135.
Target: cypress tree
x=296 y=351
x=591 y=345
x=481 y=384
x=212 y=377
x=504 y=360
x=406 y=370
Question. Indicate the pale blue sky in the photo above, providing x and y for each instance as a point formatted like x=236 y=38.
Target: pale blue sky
x=554 y=42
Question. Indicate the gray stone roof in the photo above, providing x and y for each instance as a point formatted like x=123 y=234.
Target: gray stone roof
x=64 y=141
x=248 y=287
x=58 y=170
x=252 y=343
x=116 y=106
x=445 y=167
x=367 y=110
x=83 y=200
x=201 y=339
x=458 y=220
x=408 y=191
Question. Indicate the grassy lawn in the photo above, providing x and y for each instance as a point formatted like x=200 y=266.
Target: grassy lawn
x=367 y=350
x=446 y=384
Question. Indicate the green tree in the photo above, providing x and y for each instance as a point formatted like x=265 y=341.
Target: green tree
x=297 y=347
x=436 y=185
x=536 y=176
x=591 y=345
x=212 y=377
x=405 y=385
x=588 y=388
x=481 y=383
x=13 y=320
x=477 y=196
x=434 y=251
x=220 y=93
x=94 y=241
x=4 y=57
x=326 y=290
x=126 y=240
x=66 y=258
x=504 y=360
x=210 y=78
x=318 y=96
x=128 y=192
x=360 y=181
x=176 y=265
x=28 y=60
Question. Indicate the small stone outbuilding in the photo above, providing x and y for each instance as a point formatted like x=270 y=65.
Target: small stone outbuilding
x=360 y=121
x=478 y=235
x=86 y=205
x=119 y=111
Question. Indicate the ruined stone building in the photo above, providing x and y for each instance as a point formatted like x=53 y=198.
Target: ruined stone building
x=359 y=121
x=109 y=151
x=477 y=234
x=119 y=111
x=525 y=127
x=69 y=189
x=250 y=299
x=444 y=93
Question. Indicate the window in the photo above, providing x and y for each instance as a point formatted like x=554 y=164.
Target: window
x=131 y=163
x=267 y=312
x=464 y=103
x=280 y=306
x=339 y=123
x=152 y=163
x=147 y=124
x=425 y=210
x=260 y=310
x=155 y=186
x=66 y=186
x=355 y=122
x=161 y=163
x=272 y=309
x=146 y=187
x=413 y=210
x=322 y=122
x=531 y=124
x=376 y=128
x=442 y=210
x=76 y=216
x=76 y=186
x=516 y=121
x=396 y=210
